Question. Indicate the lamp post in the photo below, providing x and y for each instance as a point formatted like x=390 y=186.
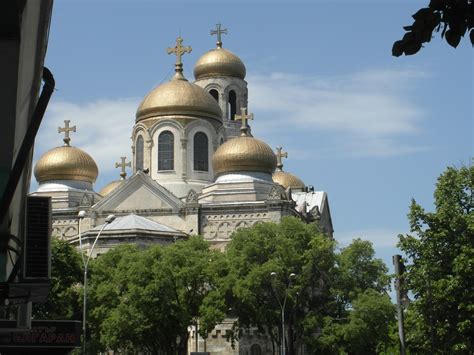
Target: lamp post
x=282 y=307
x=108 y=220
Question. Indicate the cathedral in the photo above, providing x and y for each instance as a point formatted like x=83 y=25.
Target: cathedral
x=196 y=169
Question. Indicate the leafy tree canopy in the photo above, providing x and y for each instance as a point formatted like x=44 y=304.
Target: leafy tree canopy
x=144 y=300
x=66 y=284
x=454 y=18
x=441 y=255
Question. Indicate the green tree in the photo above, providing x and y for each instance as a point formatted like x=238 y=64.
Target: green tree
x=363 y=312
x=452 y=17
x=336 y=302
x=144 y=300
x=255 y=296
x=441 y=256
x=66 y=279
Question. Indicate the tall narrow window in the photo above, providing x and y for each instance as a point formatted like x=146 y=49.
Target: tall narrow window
x=232 y=104
x=214 y=94
x=201 y=152
x=166 y=151
x=139 y=154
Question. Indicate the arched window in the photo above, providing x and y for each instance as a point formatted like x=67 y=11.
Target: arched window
x=232 y=106
x=214 y=94
x=139 y=154
x=255 y=349
x=201 y=152
x=166 y=151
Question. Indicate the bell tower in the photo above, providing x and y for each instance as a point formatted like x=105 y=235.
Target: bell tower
x=222 y=74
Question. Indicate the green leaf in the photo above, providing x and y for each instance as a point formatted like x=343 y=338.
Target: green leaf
x=453 y=38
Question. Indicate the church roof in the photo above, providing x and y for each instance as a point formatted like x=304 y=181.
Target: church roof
x=132 y=221
x=309 y=199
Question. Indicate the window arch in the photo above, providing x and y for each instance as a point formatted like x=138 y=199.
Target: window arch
x=166 y=151
x=214 y=94
x=139 y=154
x=232 y=105
x=201 y=152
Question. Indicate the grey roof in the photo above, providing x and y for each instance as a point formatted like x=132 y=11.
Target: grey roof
x=132 y=221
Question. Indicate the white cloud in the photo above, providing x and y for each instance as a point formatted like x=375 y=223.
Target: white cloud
x=380 y=238
x=368 y=113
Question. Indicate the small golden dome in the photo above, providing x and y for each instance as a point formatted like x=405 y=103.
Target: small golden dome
x=244 y=154
x=179 y=97
x=287 y=180
x=219 y=62
x=66 y=163
x=111 y=186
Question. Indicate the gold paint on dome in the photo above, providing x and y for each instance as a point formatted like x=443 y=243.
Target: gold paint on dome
x=219 y=61
x=111 y=186
x=179 y=96
x=66 y=163
x=244 y=153
x=287 y=180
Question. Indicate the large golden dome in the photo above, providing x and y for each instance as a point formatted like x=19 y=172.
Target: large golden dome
x=111 y=186
x=287 y=180
x=179 y=97
x=244 y=154
x=219 y=62
x=66 y=163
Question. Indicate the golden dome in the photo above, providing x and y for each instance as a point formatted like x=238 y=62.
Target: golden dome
x=111 y=186
x=66 y=163
x=287 y=180
x=219 y=62
x=244 y=154
x=179 y=97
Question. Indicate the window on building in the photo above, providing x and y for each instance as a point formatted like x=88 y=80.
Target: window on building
x=139 y=154
x=166 y=151
x=201 y=152
x=232 y=105
x=214 y=94
x=255 y=349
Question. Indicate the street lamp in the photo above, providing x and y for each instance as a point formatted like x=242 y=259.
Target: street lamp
x=108 y=220
x=282 y=307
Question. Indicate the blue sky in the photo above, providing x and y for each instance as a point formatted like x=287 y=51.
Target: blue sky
x=371 y=130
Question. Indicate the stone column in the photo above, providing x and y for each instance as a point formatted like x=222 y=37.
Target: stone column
x=184 y=157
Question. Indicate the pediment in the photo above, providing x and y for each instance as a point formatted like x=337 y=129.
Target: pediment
x=139 y=192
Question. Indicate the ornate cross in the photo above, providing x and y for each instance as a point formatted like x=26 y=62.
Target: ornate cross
x=244 y=118
x=219 y=31
x=179 y=50
x=66 y=129
x=122 y=165
x=279 y=155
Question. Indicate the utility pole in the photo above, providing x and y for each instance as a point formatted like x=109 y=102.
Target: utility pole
x=399 y=270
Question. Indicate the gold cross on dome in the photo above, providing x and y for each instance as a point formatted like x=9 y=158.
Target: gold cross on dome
x=66 y=129
x=122 y=165
x=280 y=155
x=179 y=50
x=244 y=118
x=219 y=31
